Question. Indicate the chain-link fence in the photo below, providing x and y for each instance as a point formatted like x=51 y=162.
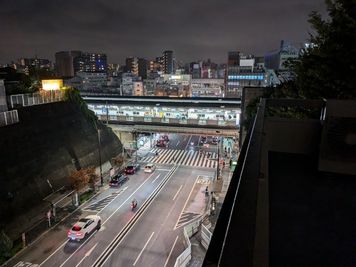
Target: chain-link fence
x=23 y=100
x=8 y=117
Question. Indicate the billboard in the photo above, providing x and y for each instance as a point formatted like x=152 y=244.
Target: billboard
x=52 y=84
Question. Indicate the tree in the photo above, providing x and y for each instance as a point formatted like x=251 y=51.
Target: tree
x=80 y=179
x=327 y=68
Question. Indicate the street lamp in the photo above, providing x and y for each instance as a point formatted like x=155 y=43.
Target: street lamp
x=217 y=167
x=99 y=146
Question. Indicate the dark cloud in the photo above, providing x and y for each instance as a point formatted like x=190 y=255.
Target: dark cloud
x=194 y=29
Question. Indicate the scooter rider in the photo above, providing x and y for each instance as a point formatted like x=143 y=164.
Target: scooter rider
x=133 y=203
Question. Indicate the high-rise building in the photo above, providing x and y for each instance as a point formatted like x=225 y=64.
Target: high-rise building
x=65 y=63
x=195 y=70
x=3 y=103
x=277 y=59
x=132 y=65
x=168 y=62
x=142 y=68
x=243 y=71
x=37 y=63
x=90 y=62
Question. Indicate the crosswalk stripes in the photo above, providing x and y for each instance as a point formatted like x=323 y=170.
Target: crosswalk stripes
x=102 y=203
x=182 y=157
x=185 y=218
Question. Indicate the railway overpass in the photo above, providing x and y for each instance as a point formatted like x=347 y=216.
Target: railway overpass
x=194 y=116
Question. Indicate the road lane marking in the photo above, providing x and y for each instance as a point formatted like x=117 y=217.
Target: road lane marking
x=178 y=143
x=170 y=253
x=132 y=225
x=186 y=202
x=53 y=253
x=163 y=169
x=112 y=214
x=188 y=144
x=144 y=247
x=78 y=248
x=177 y=192
x=156 y=178
x=64 y=243
x=86 y=255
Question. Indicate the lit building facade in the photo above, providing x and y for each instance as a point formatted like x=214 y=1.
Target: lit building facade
x=92 y=81
x=90 y=62
x=207 y=87
x=138 y=88
x=242 y=71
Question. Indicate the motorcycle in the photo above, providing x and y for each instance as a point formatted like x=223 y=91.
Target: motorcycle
x=133 y=204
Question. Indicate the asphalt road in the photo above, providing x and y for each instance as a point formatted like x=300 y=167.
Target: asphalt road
x=154 y=239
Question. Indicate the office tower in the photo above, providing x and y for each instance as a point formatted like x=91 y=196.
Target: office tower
x=65 y=63
x=168 y=62
x=90 y=62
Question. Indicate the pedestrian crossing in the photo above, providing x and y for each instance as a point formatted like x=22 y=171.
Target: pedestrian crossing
x=102 y=203
x=182 y=157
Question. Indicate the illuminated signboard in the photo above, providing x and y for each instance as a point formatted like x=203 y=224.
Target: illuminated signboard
x=52 y=84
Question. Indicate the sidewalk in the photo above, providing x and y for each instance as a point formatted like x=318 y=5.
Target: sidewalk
x=34 y=223
x=219 y=187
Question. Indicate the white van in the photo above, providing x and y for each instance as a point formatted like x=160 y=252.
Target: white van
x=150 y=167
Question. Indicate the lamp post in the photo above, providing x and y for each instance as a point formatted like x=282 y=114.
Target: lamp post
x=217 y=170
x=99 y=146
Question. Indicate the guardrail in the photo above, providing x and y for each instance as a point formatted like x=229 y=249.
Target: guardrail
x=188 y=231
x=9 y=117
x=43 y=97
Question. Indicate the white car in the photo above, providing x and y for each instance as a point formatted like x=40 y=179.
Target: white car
x=84 y=227
x=150 y=167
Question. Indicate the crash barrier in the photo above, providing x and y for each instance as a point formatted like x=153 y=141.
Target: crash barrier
x=24 y=100
x=9 y=117
x=189 y=230
x=205 y=236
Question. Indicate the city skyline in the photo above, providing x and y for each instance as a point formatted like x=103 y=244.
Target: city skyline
x=194 y=31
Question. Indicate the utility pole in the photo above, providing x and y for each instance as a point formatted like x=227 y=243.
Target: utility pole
x=99 y=146
x=217 y=168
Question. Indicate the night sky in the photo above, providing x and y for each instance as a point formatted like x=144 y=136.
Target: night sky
x=194 y=29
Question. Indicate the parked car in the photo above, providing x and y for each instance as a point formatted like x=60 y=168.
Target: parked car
x=214 y=141
x=132 y=168
x=161 y=143
x=203 y=140
x=150 y=167
x=118 y=180
x=84 y=227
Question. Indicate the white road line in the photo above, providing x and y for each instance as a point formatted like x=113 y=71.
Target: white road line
x=112 y=214
x=132 y=226
x=53 y=253
x=156 y=178
x=86 y=255
x=139 y=255
x=163 y=169
x=185 y=204
x=178 y=143
x=78 y=248
x=177 y=192
x=188 y=144
x=170 y=253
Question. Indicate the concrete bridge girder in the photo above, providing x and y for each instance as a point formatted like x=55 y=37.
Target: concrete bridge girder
x=126 y=130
